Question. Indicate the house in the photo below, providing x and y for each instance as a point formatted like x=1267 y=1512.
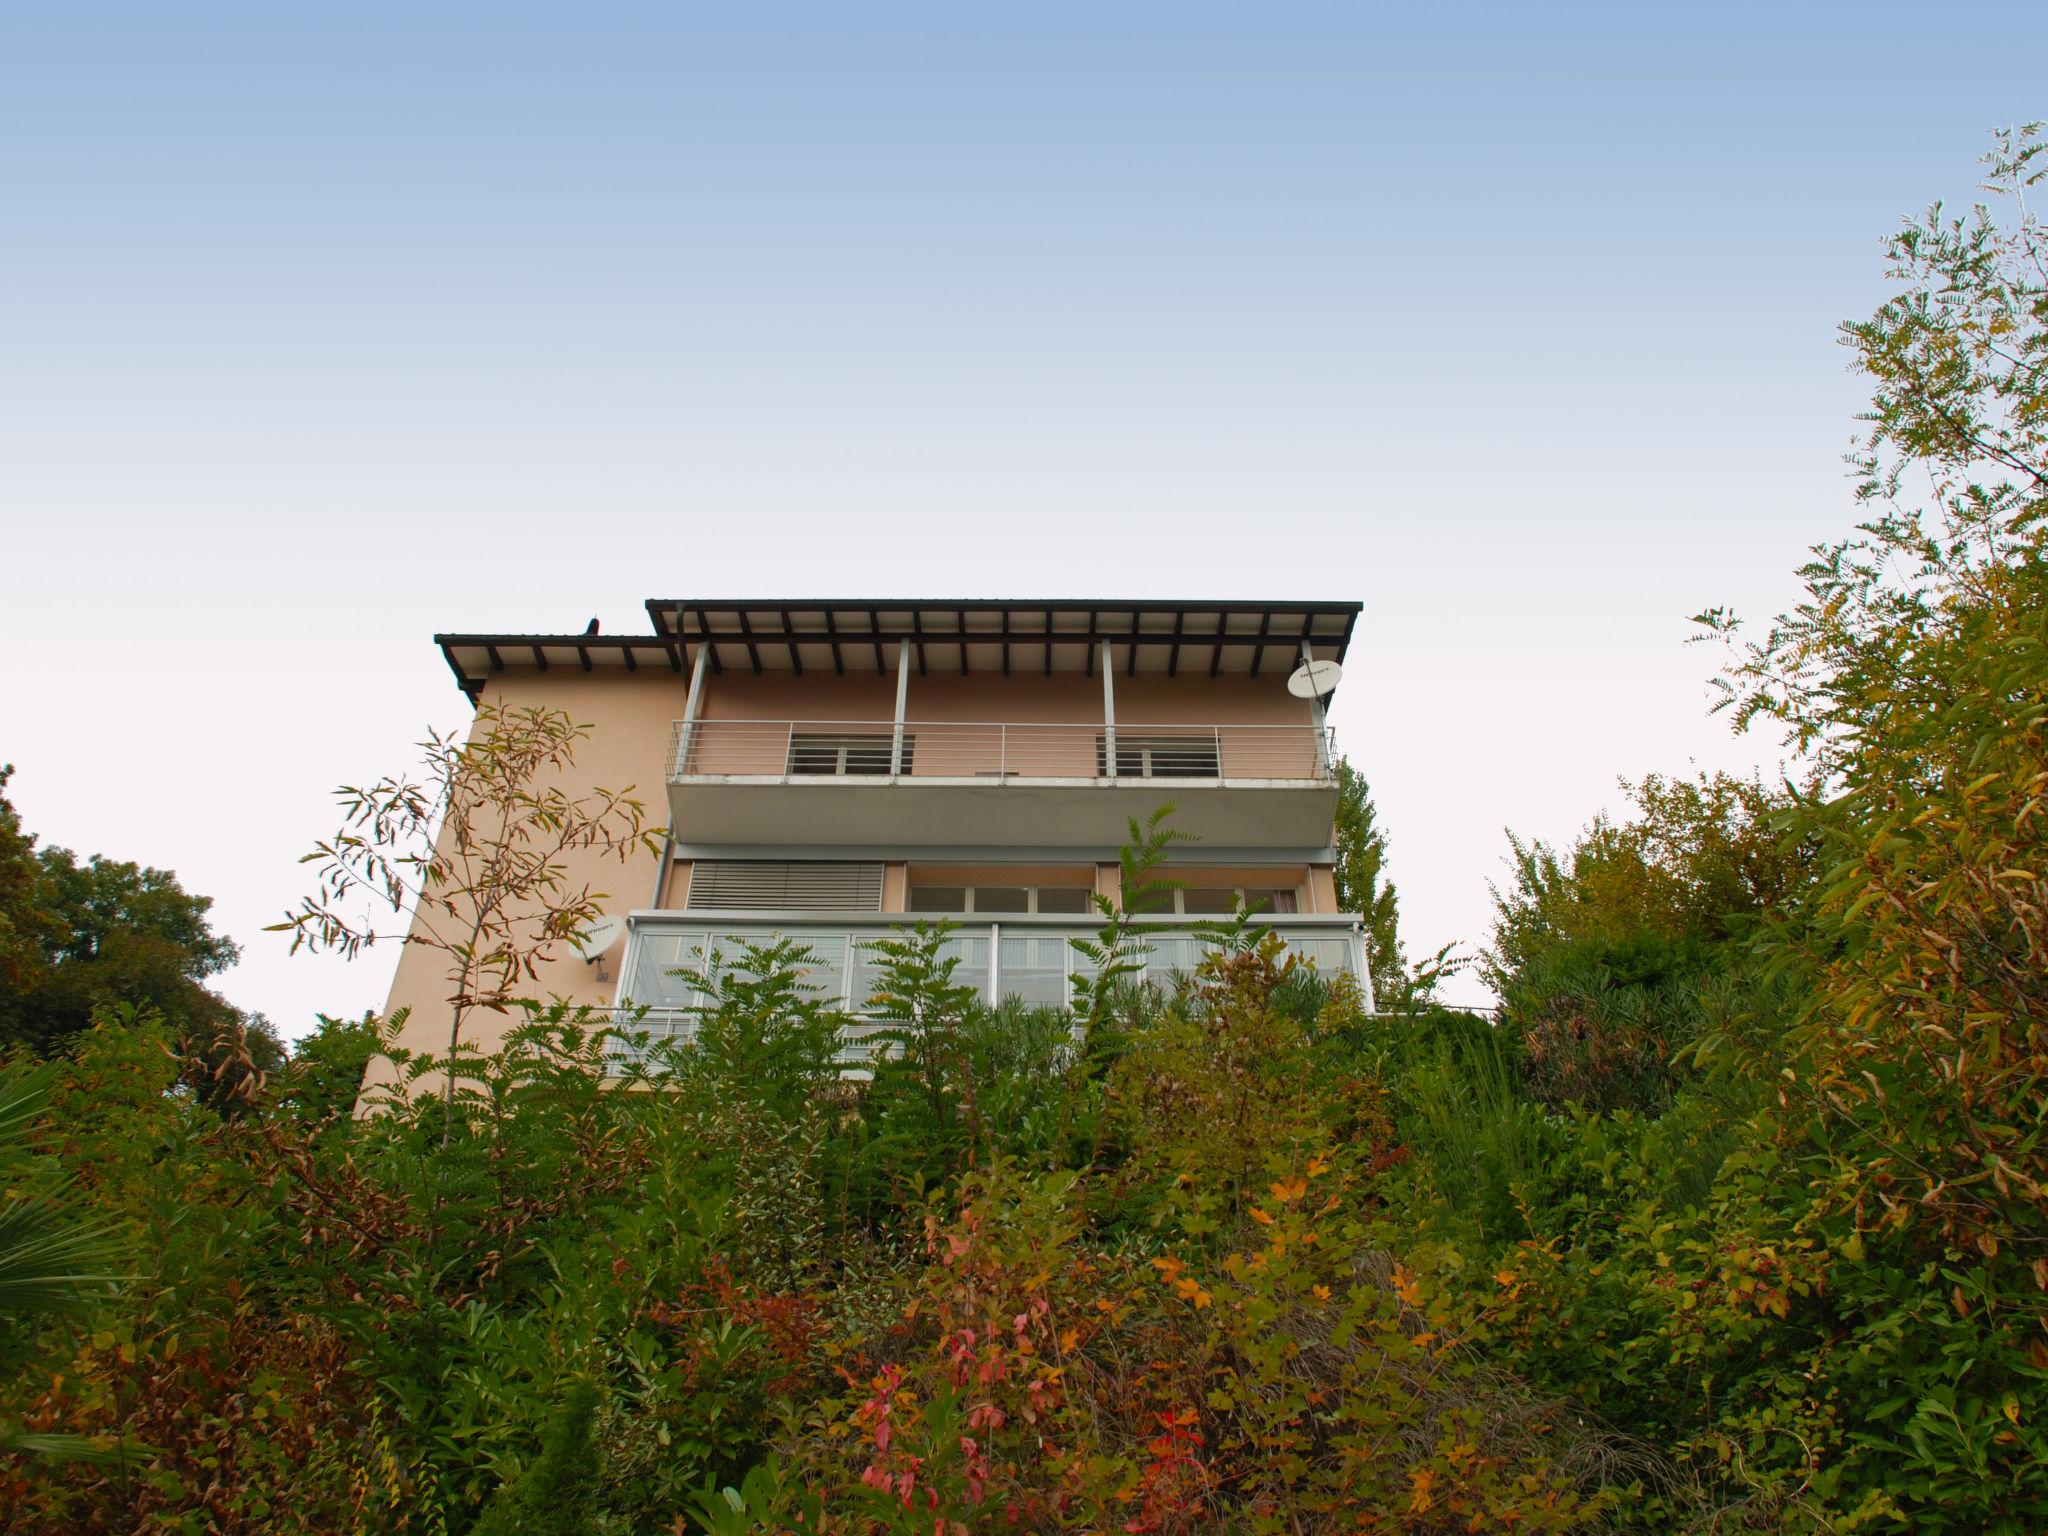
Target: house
x=830 y=770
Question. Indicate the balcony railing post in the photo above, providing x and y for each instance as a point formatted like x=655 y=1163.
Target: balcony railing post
x=1003 y=751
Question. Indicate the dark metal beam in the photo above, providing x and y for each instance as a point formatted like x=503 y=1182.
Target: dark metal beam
x=838 y=659
x=1131 y=665
x=963 y=642
x=540 y=658
x=796 y=661
x=704 y=622
x=1173 y=656
x=497 y=661
x=753 y=650
x=1259 y=650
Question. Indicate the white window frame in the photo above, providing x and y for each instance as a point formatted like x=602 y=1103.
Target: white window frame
x=1030 y=900
x=1237 y=897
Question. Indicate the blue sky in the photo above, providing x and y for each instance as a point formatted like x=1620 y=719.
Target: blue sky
x=325 y=327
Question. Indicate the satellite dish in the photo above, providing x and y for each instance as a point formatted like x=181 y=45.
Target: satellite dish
x=1315 y=679
x=599 y=937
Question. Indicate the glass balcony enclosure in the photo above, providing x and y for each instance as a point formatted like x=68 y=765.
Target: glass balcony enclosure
x=1028 y=957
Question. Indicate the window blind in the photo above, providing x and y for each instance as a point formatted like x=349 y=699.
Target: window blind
x=772 y=885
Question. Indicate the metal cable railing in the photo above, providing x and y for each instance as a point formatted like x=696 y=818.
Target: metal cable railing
x=951 y=749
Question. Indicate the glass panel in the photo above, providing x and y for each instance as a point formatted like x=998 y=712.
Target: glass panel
x=826 y=970
x=1173 y=952
x=1208 y=900
x=1001 y=898
x=1063 y=898
x=972 y=971
x=938 y=898
x=1035 y=969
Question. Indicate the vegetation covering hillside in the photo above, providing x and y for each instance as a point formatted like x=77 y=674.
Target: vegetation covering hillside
x=1737 y=1220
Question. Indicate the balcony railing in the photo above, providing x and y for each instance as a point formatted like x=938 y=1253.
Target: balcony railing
x=800 y=750
x=1030 y=958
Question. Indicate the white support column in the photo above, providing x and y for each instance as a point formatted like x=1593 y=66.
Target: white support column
x=692 y=702
x=1315 y=710
x=902 y=698
x=995 y=964
x=1108 y=710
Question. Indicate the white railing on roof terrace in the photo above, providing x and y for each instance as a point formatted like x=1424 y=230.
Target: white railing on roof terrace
x=794 y=750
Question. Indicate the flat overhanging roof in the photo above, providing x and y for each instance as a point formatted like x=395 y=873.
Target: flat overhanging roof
x=964 y=636
x=1003 y=635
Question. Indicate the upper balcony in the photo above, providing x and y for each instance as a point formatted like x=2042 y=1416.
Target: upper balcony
x=960 y=783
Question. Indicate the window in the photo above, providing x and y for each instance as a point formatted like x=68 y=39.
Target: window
x=1140 y=756
x=998 y=899
x=1002 y=898
x=1064 y=898
x=1222 y=900
x=837 y=755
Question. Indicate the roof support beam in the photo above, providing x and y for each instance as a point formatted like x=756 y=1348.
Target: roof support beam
x=1108 y=711
x=710 y=645
x=902 y=699
x=1315 y=712
x=693 y=701
x=796 y=661
x=838 y=657
x=753 y=650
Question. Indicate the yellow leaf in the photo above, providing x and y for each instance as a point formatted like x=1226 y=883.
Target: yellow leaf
x=1406 y=1288
x=1261 y=1217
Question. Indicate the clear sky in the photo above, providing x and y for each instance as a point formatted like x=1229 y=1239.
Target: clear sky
x=323 y=327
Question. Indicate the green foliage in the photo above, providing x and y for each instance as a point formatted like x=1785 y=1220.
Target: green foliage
x=1362 y=887
x=80 y=937
x=557 y=1495
x=51 y=1258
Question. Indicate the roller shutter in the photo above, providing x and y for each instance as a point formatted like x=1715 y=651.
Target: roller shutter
x=770 y=885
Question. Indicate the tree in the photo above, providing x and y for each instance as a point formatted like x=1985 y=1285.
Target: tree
x=1915 y=675
x=81 y=937
x=1362 y=887
x=471 y=856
